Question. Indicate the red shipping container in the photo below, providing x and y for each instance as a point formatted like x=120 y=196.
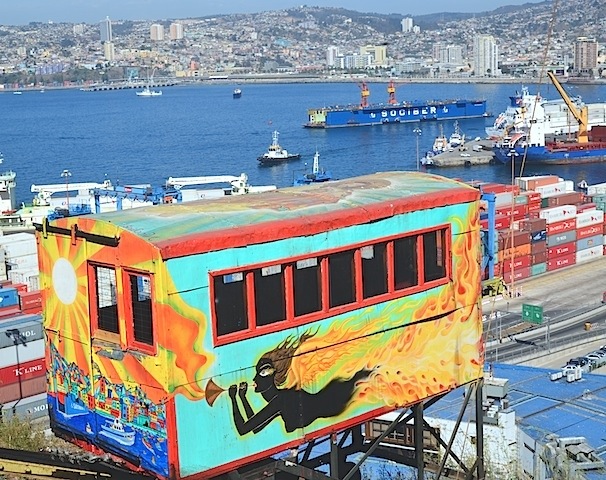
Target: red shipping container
x=518 y=251
x=21 y=287
x=559 y=250
x=501 y=222
x=500 y=188
x=512 y=238
x=561 y=227
x=537 y=258
x=9 y=311
x=517 y=212
x=24 y=389
x=568 y=198
x=519 y=274
x=583 y=207
x=561 y=262
x=30 y=300
x=516 y=264
x=24 y=371
x=590 y=231
x=538 y=247
x=533 y=224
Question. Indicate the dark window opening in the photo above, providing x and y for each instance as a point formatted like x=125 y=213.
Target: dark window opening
x=341 y=274
x=270 y=296
x=107 y=303
x=230 y=303
x=405 y=262
x=307 y=286
x=374 y=270
x=140 y=290
x=434 y=263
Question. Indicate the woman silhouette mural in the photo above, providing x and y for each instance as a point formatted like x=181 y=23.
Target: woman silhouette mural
x=297 y=407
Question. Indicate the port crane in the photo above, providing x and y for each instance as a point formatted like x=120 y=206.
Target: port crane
x=239 y=184
x=45 y=192
x=391 y=91
x=581 y=114
x=364 y=94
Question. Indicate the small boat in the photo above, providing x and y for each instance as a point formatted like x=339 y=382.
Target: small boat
x=440 y=144
x=117 y=431
x=237 y=93
x=427 y=160
x=276 y=154
x=148 y=92
x=316 y=175
x=18 y=92
x=457 y=138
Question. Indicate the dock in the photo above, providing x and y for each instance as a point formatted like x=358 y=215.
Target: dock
x=126 y=85
x=475 y=152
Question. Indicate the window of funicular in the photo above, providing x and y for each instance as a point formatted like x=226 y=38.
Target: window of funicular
x=106 y=299
x=141 y=308
x=310 y=288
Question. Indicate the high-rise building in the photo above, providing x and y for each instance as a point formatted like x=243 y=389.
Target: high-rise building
x=332 y=53
x=407 y=24
x=585 y=55
x=452 y=54
x=105 y=28
x=109 y=51
x=176 y=31
x=78 y=29
x=156 y=32
x=378 y=53
x=485 y=56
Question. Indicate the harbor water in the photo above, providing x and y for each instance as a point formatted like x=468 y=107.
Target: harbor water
x=202 y=130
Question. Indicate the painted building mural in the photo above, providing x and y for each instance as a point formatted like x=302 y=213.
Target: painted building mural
x=197 y=407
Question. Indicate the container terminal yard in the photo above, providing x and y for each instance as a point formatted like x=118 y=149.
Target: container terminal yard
x=541 y=247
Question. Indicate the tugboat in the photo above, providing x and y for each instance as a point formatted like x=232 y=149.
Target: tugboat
x=276 y=154
x=316 y=175
x=237 y=93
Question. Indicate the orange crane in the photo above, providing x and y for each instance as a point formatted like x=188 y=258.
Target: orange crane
x=581 y=116
x=391 y=90
x=364 y=93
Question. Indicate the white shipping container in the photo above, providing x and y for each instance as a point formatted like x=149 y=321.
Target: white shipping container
x=29 y=277
x=17 y=237
x=590 y=217
x=558 y=214
x=590 y=253
x=29 y=261
x=19 y=354
x=597 y=189
x=16 y=249
x=503 y=199
x=564 y=186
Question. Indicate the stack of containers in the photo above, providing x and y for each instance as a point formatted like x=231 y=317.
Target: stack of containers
x=22 y=367
x=542 y=225
x=19 y=252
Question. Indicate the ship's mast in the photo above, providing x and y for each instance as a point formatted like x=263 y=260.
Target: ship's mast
x=391 y=90
x=364 y=93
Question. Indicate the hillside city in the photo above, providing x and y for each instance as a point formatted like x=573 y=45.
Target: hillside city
x=510 y=42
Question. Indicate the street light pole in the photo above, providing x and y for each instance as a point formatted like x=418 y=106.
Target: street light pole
x=417 y=132
x=66 y=174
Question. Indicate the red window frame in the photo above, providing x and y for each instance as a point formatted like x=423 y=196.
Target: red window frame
x=324 y=312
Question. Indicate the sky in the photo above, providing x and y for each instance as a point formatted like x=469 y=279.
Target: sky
x=19 y=12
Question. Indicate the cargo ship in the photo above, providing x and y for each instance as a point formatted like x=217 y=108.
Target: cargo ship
x=534 y=141
x=366 y=114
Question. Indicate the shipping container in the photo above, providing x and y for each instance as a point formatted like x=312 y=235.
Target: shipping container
x=531 y=183
x=538 y=269
x=512 y=238
x=21 y=371
x=563 y=186
x=561 y=262
x=561 y=250
x=8 y=297
x=28 y=408
x=589 y=254
x=21 y=353
x=590 y=231
x=559 y=227
x=557 y=214
x=568 y=198
x=517 y=275
x=516 y=263
x=24 y=389
x=561 y=238
x=22 y=332
x=533 y=224
x=538 y=247
x=590 y=242
x=590 y=217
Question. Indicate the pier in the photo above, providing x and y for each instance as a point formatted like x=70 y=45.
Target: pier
x=126 y=85
x=476 y=152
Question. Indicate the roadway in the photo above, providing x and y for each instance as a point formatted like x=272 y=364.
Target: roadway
x=574 y=318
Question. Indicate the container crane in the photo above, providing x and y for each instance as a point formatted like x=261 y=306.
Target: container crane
x=364 y=94
x=581 y=114
x=391 y=91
